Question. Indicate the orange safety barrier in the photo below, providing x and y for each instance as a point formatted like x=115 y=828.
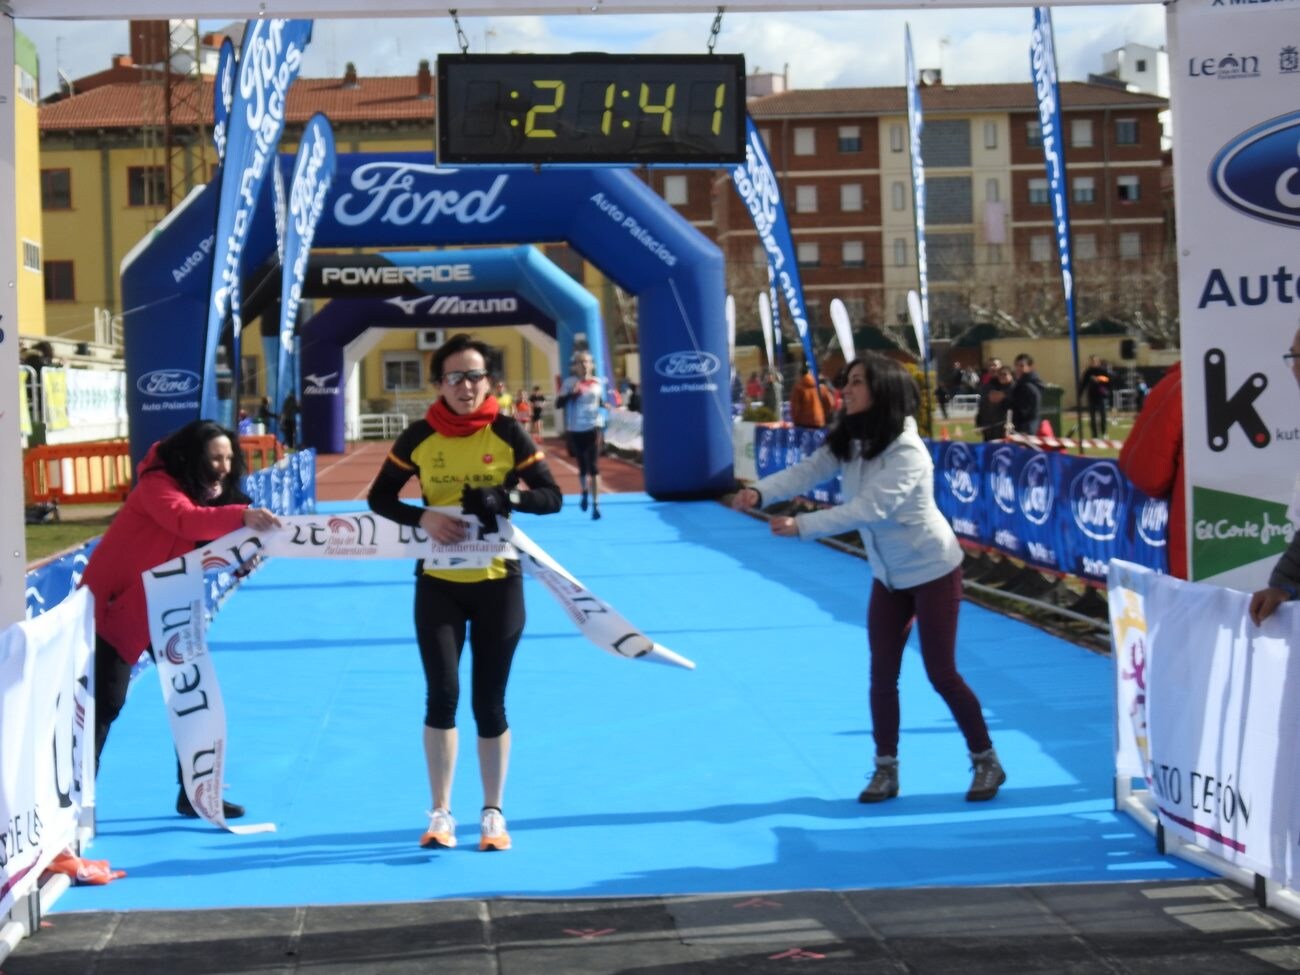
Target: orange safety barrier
x=99 y=472
x=260 y=451
x=77 y=473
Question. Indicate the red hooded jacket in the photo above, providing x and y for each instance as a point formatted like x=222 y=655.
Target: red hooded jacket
x=158 y=522
x=1152 y=458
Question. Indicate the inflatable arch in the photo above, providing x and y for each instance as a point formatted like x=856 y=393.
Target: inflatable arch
x=517 y=286
x=609 y=216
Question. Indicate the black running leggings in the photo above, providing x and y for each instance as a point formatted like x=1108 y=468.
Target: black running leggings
x=493 y=612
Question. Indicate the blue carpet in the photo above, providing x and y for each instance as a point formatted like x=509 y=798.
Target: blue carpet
x=627 y=778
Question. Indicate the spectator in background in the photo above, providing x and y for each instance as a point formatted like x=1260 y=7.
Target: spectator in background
x=186 y=493
x=265 y=415
x=538 y=402
x=634 y=398
x=991 y=413
x=1026 y=396
x=737 y=389
x=1152 y=458
x=805 y=403
x=289 y=421
x=1095 y=388
x=523 y=409
x=754 y=388
x=830 y=397
x=990 y=370
x=774 y=394
x=1284 y=580
x=505 y=402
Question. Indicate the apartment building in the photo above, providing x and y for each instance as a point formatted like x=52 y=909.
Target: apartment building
x=843 y=161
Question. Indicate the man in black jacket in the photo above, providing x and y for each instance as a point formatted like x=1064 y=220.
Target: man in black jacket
x=1026 y=396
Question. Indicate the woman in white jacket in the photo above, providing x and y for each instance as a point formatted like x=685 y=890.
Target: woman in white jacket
x=888 y=483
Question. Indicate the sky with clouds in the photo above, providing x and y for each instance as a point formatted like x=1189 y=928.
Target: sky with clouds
x=822 y=49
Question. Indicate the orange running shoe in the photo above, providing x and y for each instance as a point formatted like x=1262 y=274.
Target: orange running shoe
x=441 y=831
x=492 y=827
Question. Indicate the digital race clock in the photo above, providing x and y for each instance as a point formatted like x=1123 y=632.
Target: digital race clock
x=599 y=109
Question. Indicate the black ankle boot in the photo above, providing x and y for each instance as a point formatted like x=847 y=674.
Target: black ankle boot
x=988 y=776
x=231 y=810
x=883 y=784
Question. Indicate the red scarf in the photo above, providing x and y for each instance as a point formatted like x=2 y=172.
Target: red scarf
x=449 y=423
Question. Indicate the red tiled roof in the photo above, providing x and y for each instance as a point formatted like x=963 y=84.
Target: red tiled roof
x=133 y=105
x=943 y=98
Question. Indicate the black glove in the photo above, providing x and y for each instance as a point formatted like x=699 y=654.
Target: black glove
x=486 y=504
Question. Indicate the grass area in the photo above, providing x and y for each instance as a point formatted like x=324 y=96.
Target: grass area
x=57 y=536
x=1119 y=426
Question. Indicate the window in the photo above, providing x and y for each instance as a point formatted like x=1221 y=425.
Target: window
x=1085 y=247
x=809 y=255
x=248 y=376
x=1081 y=132
x=146 y=186
x=1126 y=132
x=994 y=252
x=856 y=307
x=853 y=254
x=851 y=197
x=1084 y=189
x=898 y=196
x=1034 y=134
x=1038 y=191
x=675 y=190
x=56 y=189
x=26 y=86
x=896 y=138
x=1128 y=189
x=990 y=135
x=1140 y=65
x=59 y=283
x=805 y=142
x=992 y=190
x=766 y=136
x=850 y=138
x=402 y=372
x=900 y=252
x=760 y=255
x=31 y=255
x=1130 y=245
x=1040 y=248
x=900 y=308
x=805 y=199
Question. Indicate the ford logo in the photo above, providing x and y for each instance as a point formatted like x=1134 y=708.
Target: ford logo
x=687 y=365
x=1258 y=172
x=168 y=382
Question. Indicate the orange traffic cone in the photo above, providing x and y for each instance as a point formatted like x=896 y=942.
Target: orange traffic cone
x=943 y=432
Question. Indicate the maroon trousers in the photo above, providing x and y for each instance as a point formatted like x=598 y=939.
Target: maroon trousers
x=934 y=607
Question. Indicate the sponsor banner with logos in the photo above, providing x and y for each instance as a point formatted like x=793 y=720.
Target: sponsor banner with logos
x=269 y=59
x=1058 y=512
x=915 y=125
x=1042 y=68
x=1235 y=73
x=1126 y=596
x=223 y=96
x=1222 y=698
x=313 y=171
x=178 y=622
x=759 y=189
x=46 y=719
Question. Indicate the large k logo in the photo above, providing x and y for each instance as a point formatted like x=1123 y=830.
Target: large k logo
x=1223 y=412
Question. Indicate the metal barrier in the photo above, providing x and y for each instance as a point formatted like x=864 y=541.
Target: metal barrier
x=100 y=472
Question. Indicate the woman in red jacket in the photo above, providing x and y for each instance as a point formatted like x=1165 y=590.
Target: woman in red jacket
x=186 y=493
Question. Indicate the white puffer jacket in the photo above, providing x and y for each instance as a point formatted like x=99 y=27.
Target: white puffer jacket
x=889 y=501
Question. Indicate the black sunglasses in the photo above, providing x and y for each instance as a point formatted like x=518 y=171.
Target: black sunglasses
x=456 y=378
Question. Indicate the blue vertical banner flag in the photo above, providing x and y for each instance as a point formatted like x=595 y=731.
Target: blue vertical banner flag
x=269 y=60
x=313 y=171
x=756 y=182
x=915 y=124
x=1042 y=63
x=223 y=94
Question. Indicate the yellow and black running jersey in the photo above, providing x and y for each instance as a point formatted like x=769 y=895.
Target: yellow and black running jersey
x=498 y=454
